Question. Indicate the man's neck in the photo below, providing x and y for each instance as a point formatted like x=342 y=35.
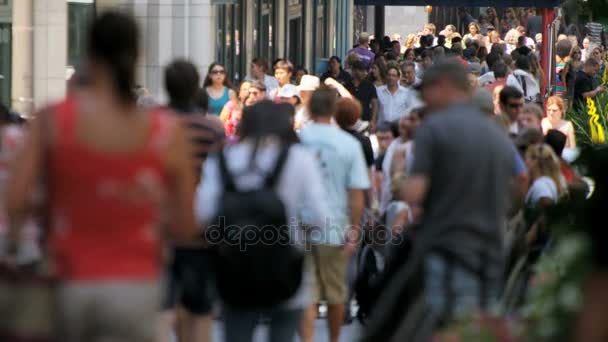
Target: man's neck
x=357 y=81
x=325 y=120
x=393 y=89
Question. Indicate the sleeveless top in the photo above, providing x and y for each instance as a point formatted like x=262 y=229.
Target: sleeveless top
x=216 y=105
x=104 y=208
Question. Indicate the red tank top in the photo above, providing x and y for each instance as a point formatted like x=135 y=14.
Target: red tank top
x=105 y=208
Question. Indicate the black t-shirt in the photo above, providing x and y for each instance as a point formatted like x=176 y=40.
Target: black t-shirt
x=378 y=162
x=366 y=145
x=343 y=77
x=583 y=84
x=365 y=93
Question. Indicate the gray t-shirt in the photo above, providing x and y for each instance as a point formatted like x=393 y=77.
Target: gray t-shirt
x=469 y=162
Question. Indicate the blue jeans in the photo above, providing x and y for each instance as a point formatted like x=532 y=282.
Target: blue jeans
x=456 y=293
x=240 y=324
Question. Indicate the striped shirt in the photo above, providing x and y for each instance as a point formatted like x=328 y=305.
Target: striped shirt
x=595 y=32
x=206 y=133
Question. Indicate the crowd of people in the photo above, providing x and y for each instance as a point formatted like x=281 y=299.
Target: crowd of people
x=424 y=153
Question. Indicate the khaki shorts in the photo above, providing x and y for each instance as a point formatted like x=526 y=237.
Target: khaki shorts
x=108 y=311
x=329 y=264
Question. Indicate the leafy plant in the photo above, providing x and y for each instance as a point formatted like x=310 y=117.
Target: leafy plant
x=580 y=120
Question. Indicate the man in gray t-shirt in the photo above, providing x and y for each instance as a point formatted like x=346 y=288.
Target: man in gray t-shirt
x=461 y=174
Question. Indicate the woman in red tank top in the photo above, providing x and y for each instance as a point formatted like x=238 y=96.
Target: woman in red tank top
x=112 y=171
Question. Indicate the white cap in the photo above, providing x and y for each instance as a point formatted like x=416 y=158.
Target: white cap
x=289 y=90
x=309 y=83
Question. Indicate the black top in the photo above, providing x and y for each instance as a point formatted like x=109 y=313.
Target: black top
x=366 y=145
x=343 y=77
x=378 y=162
x=583 y=84
x=365 y=93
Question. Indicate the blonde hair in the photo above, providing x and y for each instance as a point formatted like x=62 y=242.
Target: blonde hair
x=476 y=27
x=410 y=41
x=534 y=109
x=431 y=27
x=397 y=182
x=548 y=164
x=512 y=36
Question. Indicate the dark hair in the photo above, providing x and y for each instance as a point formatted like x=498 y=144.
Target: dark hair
x=500 y=70
x=482 y=53
x=348 y=111
x=521 y=40
x=427 y=41
x=591 y=62
x=426 y=53
x=456 y=40
x=498 y=48
x=457 y=49
x=523 y=63
x=563 y=48
x=323 y=102
x=440 y=40
x=469 y=53
x=358 y=65
x=209 y=81
x=393 y=67
x=261 y=62
x=258 y=85
x=509 y=92
x=337 y=59
x=493 y=58
x=390 y=56
x=265 y=119
x=385 y=126
x=557 y=141
x=382 y=69
x=408 y=51
x=114 y=42
x=182 y=84
x=285 y=65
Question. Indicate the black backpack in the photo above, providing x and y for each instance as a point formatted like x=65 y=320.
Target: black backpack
x=257 y=265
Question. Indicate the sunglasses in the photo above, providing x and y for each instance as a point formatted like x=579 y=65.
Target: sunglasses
x=218 y=72
x=515 y=105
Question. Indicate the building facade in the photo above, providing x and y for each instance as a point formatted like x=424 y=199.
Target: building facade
x=42 y=41
x=307 y=32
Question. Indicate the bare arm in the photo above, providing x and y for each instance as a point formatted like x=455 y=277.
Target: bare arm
x=24 y=175
x=356 y=200
x=398 y=162
x=375 y=107
x=330 y=82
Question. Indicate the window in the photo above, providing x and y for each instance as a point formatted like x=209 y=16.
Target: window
x=5 y=63
x=296 y=15
x=229 y=42
x=80 y=15
x=320 y=30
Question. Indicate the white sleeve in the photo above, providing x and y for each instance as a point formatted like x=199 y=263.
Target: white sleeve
x=208 y=192
x=312 y=194
x=512 y=81
x=540 y=189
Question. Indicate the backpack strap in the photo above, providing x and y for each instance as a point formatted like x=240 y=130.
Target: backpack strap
x=273 y=177
x=227 y=179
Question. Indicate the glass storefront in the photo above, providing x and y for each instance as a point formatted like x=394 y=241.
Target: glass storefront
x=229 y=39
x=295 y=33
x=5 y=62
x=80 y=15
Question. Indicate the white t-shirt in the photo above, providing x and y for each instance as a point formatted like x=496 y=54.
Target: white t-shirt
x=543 y=187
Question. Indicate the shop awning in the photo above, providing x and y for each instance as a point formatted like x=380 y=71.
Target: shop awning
x=462 y=3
